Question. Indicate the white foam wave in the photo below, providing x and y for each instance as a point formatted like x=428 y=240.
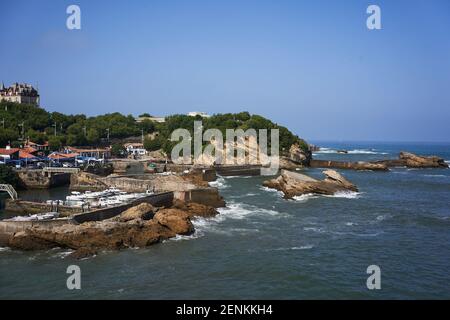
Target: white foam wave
x=2 y=249
x=355 y=151
x=267 y=189
x=435 y=175
x=305 y=197
x=220 y=183
x=62 y=254
x=345 y=194
x=350 y=224
x=306 y=247
x=197 y=234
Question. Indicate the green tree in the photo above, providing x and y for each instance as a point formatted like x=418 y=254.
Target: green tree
x=153 y=144
x=8 y=176
x=118 y=150
x=92 y=136
x=54 y=143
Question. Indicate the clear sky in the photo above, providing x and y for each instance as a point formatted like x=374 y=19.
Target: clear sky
x=312 y=66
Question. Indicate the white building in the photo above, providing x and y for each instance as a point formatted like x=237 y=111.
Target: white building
x=198 y=113
x=135 y=148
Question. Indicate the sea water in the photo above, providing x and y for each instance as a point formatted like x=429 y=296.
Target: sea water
x=262 y=246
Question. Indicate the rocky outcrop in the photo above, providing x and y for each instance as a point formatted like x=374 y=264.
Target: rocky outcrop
x=298 y=155
x=359 y=165
x=295 y=184
x=142 y=211
x=138 y=226
x=410 y=160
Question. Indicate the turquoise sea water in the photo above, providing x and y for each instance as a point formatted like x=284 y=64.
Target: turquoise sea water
x=264 y=247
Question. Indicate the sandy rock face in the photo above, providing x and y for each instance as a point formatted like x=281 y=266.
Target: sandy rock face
x=142 y=211
x=295 y=184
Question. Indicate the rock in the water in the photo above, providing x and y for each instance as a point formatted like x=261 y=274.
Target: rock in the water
x=195 y=209
x=411 y=160
x=129 y=230
x=295 y=184
x=415 y=161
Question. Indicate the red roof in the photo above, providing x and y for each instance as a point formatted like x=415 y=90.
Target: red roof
x=23 y=154
x=62 y=155
x=5 y=151
x=28 y=150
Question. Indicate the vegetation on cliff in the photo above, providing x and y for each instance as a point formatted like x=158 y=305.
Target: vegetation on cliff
x=80 y=130
x=8 y=176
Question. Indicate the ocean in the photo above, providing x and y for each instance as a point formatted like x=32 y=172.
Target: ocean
x=262 y=246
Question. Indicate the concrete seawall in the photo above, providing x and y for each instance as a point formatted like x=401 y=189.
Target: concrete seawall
x=38 y=179
x=8 y=228
x=158 y=200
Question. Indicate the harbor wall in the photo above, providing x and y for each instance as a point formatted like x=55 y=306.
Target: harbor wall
x=38 y=179
x=237 y=170
x=8 y=228
x=157 y=200
x=31 y=207
x=207 y=196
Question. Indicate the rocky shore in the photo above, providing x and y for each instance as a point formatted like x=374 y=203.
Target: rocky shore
x=295 y=184
x=139 y=226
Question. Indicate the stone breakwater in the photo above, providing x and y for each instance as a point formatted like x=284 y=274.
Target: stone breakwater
x=139 y=226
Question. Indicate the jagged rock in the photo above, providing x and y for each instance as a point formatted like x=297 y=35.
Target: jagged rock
x=142 y=211
x=295 y=184
x=410 y=160
x=298 y=155
x=83 y=252
x=174 y=219
x=195 y=209
x=415 y=161
x=109 y=234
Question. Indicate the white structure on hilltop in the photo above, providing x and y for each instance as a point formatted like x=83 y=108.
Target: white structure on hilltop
x=135 y=149
x=198 y=113
x=19 y=93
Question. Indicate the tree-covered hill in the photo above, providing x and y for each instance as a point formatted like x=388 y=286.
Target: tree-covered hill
x=80 y=130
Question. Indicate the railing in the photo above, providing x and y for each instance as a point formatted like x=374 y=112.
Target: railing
x=61 y=170
x=10 y=189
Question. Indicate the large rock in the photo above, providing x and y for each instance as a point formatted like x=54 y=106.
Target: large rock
x=295 y=184
x=132 y=228
x=195 y=209
x=411 y=160
x=142 y=211
x=298 y=155
x=415 y=161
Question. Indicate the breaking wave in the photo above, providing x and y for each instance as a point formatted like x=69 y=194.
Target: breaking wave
x=354 y=151
x=220 y=183
x=305 y=197
x=345 y=194
x=2 y=249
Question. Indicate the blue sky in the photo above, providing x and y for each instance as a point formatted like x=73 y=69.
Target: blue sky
x=312 y=66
